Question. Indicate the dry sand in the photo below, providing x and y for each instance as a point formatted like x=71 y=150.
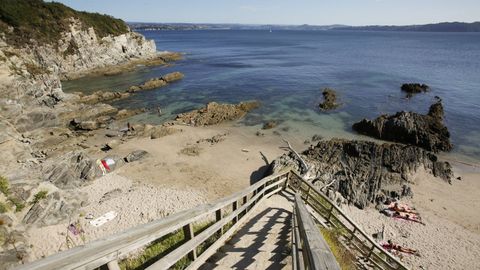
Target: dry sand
x=134 y=203
x=165 y=182
x=173 y=179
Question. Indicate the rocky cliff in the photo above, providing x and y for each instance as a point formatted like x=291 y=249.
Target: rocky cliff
x=365 y=172
x=40 y=45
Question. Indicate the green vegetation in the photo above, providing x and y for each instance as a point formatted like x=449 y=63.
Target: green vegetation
x=41 y=195
x=35 y=69
x=19 y=205
x=4 y=186
x=165 y=245
x=45 y=21
x=344 y=257
x=3 y=208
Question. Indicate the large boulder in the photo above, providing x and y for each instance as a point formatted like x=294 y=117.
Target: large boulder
x=366 y=172
x=329 y=100
x=214 y=113
x=55 y=208
x=157 y=82
x=426 y=131
x=414 y=88
x=72 y=170
x=103 y=96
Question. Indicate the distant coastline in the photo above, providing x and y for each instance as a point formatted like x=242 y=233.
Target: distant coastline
x=436 y=27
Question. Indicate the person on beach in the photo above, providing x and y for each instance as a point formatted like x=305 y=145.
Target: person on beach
x=409 y=217
x=391 y=246
x=401 y=208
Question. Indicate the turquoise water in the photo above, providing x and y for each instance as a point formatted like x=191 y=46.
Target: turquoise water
x=286 y=71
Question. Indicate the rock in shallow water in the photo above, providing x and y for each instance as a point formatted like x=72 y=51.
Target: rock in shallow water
x=366 y=171
x=214 y=113
x=414 y=88
x=330 y=100
x=426 y=131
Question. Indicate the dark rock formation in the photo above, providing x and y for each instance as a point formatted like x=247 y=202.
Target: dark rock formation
x=426 y=131
x=269 y=125
x=366 y=172
x=56 y=208
x=72 y=171
x=214 y=113
x=329 y=100
x=157 y=82
x=414 y=88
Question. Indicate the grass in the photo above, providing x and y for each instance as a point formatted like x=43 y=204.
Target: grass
x=41 y=195
x=4 y=208
x=165 y=245
x=344 y=257
x=4 y=186
x=44 y=22
x=19 y=205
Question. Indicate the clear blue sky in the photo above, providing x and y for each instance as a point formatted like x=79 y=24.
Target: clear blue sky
x=320 y=12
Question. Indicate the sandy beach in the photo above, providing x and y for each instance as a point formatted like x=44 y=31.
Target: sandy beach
x=172 y=179
x=451 y=237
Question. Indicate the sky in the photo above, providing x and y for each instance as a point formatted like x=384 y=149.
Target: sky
x=315 y=12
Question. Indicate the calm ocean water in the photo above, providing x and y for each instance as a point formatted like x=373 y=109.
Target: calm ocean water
x=286 y=71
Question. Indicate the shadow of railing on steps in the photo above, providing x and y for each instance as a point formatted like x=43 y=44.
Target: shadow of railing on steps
x=335 y=217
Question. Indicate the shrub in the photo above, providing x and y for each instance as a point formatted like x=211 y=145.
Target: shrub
x=19 y=205
x=3 y=208
x=45 y=21
x=4 y=186
x=41 y=195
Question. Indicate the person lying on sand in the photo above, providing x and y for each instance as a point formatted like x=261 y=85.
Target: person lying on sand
x=401 y=208
x=391 y=246
x=408 y=216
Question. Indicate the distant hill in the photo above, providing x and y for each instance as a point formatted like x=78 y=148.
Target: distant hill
x=437 y=27
x=193 y=26
x=25 y=20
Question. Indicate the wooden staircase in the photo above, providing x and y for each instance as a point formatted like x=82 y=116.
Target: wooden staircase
x=265 y=226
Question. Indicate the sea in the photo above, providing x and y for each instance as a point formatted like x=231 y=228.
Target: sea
x=287 y=71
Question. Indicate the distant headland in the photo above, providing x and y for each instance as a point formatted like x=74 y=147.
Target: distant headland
x=435 y=27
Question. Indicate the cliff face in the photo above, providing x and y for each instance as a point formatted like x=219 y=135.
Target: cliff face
x=31 y=94
x=80 y=51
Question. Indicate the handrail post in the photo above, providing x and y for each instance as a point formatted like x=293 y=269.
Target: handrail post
x=188 y=233
x=287 y=175
x=234 y=207
x=330 y=213
x=113 y=265
x=308 y=194
x=245 y=200
x=371 y=251
x=218 y=217
x=353 y=234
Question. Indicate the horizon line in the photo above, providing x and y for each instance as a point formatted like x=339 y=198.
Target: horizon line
x=275 y=24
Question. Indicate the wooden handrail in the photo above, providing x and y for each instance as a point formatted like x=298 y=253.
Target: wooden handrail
x=371 y=246
x=308 y=239
x=110 y=249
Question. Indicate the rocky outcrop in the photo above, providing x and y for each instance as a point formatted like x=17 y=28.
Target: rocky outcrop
x=414 y=88
x=102 y=96
x=269 y=125
x=157 y=82
x=214 y=113
x=426 y=131
x=90 y=53
x=366 y=172
x=329 y=100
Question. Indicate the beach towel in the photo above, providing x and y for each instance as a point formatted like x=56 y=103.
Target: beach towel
x=103 y=219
